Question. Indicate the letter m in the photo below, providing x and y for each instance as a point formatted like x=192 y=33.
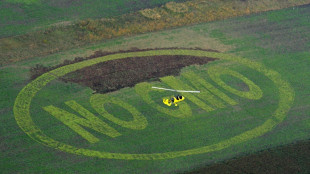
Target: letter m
x=76 y=123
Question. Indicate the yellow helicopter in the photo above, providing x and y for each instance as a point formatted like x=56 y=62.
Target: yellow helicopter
x=174 y=100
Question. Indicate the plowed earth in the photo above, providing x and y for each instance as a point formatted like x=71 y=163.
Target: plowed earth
x=116 y=74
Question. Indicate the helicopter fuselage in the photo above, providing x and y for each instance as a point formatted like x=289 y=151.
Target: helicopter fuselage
x=174 y=100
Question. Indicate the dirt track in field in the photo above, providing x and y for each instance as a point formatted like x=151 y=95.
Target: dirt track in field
x=116 y=74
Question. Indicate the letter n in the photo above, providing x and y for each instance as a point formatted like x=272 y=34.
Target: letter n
x=76 y=123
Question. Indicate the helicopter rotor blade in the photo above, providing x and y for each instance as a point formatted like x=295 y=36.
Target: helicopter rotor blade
x=174 y=90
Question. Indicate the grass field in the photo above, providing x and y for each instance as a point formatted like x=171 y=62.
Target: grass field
x=51 y=37
x=277 y=40
x=20 y=16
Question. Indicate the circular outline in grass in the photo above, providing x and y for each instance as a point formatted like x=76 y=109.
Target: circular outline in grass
x=254 y=92
x=23 y=101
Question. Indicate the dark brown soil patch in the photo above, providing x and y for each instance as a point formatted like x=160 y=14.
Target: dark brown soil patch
x=288 y=159
x=116 y=74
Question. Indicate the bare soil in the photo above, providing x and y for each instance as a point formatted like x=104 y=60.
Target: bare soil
x=116 y=74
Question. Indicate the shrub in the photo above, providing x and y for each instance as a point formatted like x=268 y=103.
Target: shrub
x=150 y=13
x=38 y=70
x=176 y=7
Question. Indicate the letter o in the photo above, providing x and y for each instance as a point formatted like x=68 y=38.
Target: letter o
x=97 y=101
x=254 y=92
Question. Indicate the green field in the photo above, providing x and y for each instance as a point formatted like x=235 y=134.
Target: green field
x=274 y=50
x=20 y=16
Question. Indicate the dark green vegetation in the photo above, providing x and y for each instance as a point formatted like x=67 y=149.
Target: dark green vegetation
x=292 y=158
x=20 y=16
x=280 y=40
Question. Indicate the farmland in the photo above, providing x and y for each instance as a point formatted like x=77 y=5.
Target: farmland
x=255 y=95
x=21 y=16
x=66 y=35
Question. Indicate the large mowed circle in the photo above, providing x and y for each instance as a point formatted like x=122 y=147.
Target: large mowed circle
x=23 y=102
